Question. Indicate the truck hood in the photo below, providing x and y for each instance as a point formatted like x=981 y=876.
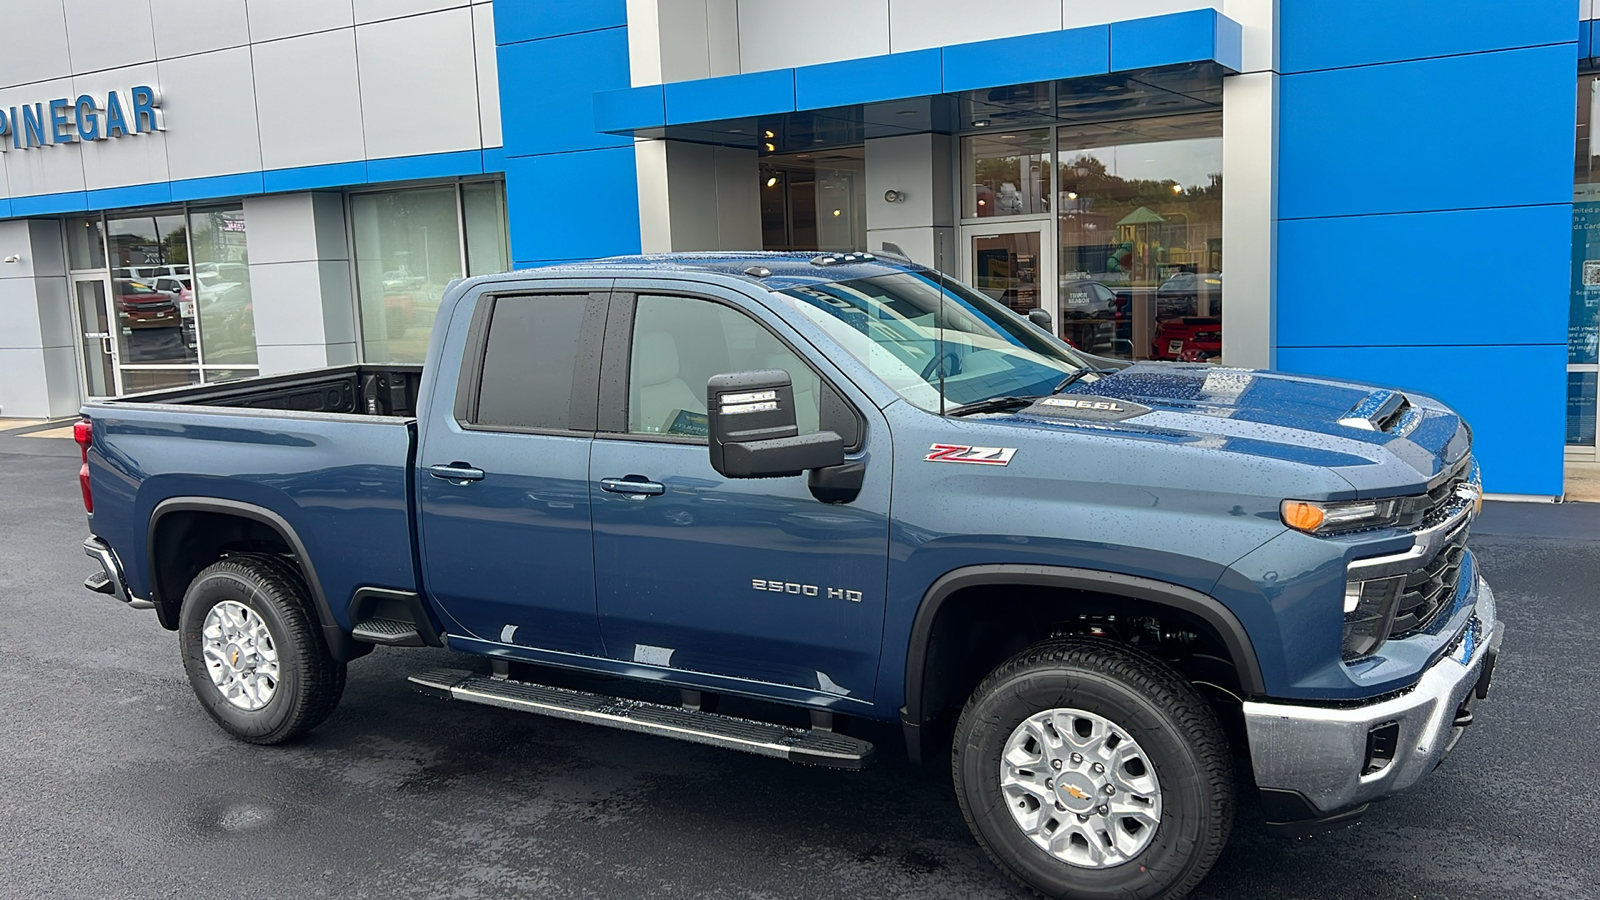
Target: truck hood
x=1380 y=440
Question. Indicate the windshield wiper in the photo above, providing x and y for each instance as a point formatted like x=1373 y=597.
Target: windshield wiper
x=1086 y=370
x=993 y=404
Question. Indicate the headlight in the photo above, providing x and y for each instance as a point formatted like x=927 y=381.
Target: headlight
x=1334 y=517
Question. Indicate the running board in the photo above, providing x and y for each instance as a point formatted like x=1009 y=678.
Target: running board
x=812 y=747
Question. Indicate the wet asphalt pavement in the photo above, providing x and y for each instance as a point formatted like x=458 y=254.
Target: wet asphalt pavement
x=114 y=784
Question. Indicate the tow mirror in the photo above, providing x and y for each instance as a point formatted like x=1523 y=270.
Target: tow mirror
x=750 y=421
x=1039 y=317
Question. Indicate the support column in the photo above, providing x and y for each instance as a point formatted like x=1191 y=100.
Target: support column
x=39 y=375
x=1250 y=191
x=300 y=281
x=922 y=225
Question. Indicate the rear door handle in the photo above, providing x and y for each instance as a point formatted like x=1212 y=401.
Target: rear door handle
x=457 y=472
x=633 y=485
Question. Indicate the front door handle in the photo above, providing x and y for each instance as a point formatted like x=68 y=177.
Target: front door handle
x=633 y=484
x=456 y=472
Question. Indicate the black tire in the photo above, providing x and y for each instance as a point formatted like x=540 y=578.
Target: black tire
x=310 y=681
x=1178 y=732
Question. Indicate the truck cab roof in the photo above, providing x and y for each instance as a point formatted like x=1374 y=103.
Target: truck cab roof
x=781 y=270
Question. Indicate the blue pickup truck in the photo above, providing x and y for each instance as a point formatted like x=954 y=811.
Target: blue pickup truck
x=849 y=488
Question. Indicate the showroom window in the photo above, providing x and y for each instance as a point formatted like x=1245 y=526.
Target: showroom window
x=409 y=245
x=1100 y=201
x=162 y=297
x=1583 y=321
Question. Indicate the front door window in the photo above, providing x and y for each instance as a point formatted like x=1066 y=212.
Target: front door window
x=99 y=347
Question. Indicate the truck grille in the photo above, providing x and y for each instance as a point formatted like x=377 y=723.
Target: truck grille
x=1440 y=502
x=1430 y=588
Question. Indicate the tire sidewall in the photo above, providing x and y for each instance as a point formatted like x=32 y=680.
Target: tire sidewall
x=1184 y=805
x=210 y=589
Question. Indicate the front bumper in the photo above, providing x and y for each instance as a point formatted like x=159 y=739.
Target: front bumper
x=1322 y=763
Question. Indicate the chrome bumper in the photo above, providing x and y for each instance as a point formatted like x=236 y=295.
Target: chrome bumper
x=111 y=581
x=1324 y=754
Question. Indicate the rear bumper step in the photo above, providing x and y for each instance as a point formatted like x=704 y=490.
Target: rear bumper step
x=806 y=746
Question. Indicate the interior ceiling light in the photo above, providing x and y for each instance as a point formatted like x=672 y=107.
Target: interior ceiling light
x=836 y=213
x=770 y=134
x=772 y=181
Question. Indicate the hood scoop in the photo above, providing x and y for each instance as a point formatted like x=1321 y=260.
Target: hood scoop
x=1382 y=410
x=1085 y=407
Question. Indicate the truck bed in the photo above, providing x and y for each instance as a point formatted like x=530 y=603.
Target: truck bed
x=365 y=390
x=327 y=453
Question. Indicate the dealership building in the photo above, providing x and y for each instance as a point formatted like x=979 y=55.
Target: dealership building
x=1398 y=191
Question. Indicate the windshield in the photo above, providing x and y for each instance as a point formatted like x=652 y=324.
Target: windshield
x=892 y=324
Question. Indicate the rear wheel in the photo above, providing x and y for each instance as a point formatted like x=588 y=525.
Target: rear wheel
x=252 y=653
x=1089 y=769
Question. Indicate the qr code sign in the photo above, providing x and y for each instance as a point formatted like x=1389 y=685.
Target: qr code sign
x=1591 y=273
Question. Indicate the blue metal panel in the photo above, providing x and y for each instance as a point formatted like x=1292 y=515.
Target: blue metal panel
x=526 y=20
x=625 y=110
x=494 y=160
x=1393 y=290
x=240 y=185
x=547 y=91
x=573 y=205
x=730 y=97
x=1031 y=57
x=1315 y=34
x=870 y=79
x=1461 y=132
x=1513 y=396
x=5 y=208
x=45 y=204
x=1196 y=36
x=1585 y=39
x=427 y=165
x=132 y=195
x=308 y=177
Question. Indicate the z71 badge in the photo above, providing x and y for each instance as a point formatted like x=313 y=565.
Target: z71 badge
x=982 y=456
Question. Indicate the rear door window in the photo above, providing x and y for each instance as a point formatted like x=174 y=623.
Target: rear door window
x=532 y=362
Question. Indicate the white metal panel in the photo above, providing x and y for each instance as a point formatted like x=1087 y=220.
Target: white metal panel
x=377 y=10
x=309 y=101
x=1077 y=13
x=295 y=314
x=106 y=34
x=644 y=42
x=56 y=328
x=43 y=55
x=738 y=199
x=692 y=195
x=210 y=101
x=282 y=228
x=1258 y=19
x=19 y=310
x=135 y=159
x=776 y=34
x=488 y=75
x=419 y=94
x=338 y=302
x=685 y=53
x=655 y=206
x=273 y=19
x=722 y=35
x=4 y=190
x=1249 y=219
x=183 y=27
x=48 y=169
x=49 y=251
x=919 y=24
x=275 y=359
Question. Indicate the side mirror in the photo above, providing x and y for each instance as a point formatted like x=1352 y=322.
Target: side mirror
x=750 y=424
x=1039 y=317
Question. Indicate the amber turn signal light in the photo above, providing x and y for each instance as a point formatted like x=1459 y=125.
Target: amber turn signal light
x=1302 y=516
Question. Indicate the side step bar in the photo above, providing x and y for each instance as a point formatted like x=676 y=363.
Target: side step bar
x=812 y=747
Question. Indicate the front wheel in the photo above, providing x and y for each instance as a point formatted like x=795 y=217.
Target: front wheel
x=251 y=652
x=1089 y=769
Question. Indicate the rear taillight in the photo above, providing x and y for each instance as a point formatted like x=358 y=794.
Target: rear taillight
x=83 y=433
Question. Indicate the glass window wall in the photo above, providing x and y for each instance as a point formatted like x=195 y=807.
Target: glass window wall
x=1007 y=174
x=409 y=245
x=1583 y=319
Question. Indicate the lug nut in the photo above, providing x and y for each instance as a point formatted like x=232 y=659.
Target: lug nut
x=1083 y=817
x=1055 y=764
x=1111 y=789
x=1098 y=768
x=1077 y=758
x=1049 y=784
x=1060 y=807
x=1103 y=810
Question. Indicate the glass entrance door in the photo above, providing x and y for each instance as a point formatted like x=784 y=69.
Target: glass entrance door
x=96 y=324
x=1006 y=262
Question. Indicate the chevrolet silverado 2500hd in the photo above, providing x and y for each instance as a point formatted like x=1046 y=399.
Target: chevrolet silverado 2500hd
x=849 y=486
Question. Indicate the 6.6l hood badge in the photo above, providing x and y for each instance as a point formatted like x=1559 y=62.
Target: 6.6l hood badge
x=1084 y=406
x=983 y=456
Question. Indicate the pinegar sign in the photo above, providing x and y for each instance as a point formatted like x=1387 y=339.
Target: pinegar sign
x=91 y=117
